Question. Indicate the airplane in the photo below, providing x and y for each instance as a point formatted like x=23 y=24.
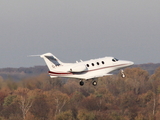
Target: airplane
x=84 y=70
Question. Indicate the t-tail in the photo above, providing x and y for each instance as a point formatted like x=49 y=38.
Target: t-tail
x=51 y=60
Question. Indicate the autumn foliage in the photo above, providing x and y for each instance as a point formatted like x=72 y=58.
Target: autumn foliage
x=136 y=97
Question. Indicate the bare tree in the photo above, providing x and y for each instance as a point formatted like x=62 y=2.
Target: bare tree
x=25 y=100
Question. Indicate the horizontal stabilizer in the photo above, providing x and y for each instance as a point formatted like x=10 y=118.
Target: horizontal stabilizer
x=34 y=55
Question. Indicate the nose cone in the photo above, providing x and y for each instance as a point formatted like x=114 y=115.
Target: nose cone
x=130 y=63
x=126 y=63
x=123 y=64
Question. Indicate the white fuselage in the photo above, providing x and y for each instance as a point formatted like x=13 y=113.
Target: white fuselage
x=89 y=69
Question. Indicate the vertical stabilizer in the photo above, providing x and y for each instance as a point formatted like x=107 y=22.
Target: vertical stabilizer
x=51 y=60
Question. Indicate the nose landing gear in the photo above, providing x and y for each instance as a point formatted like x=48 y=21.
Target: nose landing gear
x=122 y=74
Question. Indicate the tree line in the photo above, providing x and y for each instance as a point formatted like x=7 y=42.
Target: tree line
x=136 y=97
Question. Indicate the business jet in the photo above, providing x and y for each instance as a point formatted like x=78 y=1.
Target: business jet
x=84 y=70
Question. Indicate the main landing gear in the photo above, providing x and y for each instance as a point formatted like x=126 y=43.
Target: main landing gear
x=81 y=83
x=94 y=83
x=122 y=74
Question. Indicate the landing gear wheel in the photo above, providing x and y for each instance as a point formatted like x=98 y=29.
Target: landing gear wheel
x=81 y=83
x=122 y=74
x=94 y=83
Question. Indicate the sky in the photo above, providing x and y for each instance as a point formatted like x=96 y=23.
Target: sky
x=78 y=29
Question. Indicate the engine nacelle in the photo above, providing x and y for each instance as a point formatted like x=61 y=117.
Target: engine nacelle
x=78 y=68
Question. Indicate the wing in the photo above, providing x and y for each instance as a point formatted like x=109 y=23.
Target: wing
x=96 y=76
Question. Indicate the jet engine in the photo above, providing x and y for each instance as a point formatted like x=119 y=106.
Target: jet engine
x=78 y=68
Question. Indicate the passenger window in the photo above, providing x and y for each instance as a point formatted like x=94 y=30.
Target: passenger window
x=102 y=62
x=97 y=63
x=92 y=64
x=87 y=65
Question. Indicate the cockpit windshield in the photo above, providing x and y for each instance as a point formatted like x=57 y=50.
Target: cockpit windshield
x=114 y=59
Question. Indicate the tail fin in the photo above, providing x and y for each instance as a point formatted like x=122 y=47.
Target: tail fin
x=51 y=60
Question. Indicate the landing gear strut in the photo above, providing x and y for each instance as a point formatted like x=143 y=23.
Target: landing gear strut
x=81 y=83
x=122 y=74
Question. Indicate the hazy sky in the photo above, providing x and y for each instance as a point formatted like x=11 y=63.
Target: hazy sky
x=79 y=29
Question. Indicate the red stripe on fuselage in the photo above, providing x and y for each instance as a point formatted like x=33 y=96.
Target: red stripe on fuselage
x=69 y=73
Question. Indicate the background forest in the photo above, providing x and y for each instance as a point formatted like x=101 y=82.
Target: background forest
x=136 y=97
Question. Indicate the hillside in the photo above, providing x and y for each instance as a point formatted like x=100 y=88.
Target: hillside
x=135 y=97
x=150 y=67
x=22 y=72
